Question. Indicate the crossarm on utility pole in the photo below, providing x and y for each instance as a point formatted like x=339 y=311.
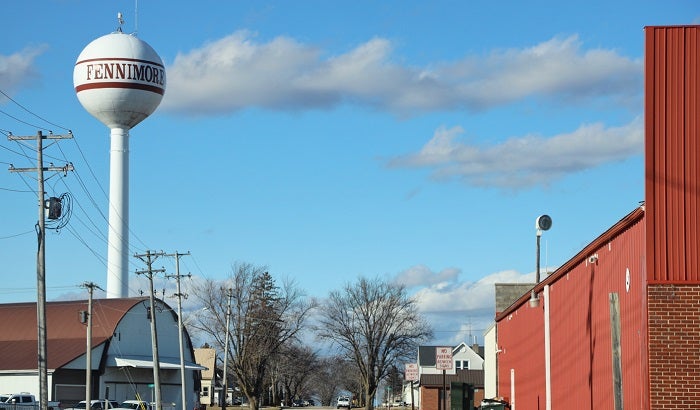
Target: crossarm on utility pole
x=42 y=360
x=148 y=258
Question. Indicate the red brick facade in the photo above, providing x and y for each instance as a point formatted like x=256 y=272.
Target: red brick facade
x=430 y=399
x=674 y=346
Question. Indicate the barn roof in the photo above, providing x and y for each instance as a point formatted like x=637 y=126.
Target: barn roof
x=66 y=335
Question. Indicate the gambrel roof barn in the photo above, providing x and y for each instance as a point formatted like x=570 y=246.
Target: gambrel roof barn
x=122 y=358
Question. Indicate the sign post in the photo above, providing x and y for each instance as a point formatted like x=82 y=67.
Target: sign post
x=411 y=372
x=443 y=361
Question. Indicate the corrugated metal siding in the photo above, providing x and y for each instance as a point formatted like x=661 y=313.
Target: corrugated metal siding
x=580 y=326
x=520 y=341
x=672 y=130
x=581 y=356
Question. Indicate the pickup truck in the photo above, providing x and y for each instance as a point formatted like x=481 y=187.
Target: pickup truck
x=23 y=401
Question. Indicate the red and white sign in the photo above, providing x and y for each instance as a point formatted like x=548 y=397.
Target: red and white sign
x=411 y=372
x=443 y=358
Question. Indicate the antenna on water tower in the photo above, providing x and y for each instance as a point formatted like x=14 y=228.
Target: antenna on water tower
x=120 y=80
x=136 y=16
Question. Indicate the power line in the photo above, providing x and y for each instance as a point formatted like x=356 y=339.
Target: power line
x=32 y=113
x=87 y=220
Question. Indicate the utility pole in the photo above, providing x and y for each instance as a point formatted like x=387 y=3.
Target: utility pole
x=86 y=318
x=41 y=257
x=148 y=258
x=180 y=295
x=229 y=294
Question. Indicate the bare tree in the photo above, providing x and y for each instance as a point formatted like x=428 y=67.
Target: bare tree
x=264 y=316
x=394 y=385
x=376 y=325
x=352 y=382
x=328 y=379
x=297 y=365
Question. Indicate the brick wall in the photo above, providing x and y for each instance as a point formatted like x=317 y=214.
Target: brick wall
x=430 y=398
x=478 y=396
x=674 y=346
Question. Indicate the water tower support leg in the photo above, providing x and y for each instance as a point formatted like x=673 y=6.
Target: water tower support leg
x=118 y=247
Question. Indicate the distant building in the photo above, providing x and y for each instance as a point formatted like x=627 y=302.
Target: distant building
x=464 y=382
x=464 y=357
x=206 y=356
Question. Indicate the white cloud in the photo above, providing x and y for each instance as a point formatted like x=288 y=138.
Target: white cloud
x=19 y=68
x=557 y=68
x=527 y=160
x=459 y=311
x=466 y=296
x=421 y=275
x=236 y=72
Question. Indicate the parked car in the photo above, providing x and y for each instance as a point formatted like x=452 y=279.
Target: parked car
x=135 y=405
x=309 y=402
x=95 y=405
x=343 y=401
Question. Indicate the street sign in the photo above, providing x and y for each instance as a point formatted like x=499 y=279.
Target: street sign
x=411 y=372
x=443 y=358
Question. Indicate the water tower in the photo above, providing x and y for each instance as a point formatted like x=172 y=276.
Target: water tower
x=120 y=80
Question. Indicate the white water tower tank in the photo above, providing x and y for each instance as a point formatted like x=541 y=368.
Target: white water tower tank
x=120 y=80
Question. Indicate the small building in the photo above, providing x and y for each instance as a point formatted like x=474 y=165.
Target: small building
x=463 y=384
x=462 y=390
x=121 y=350
x=206 y=357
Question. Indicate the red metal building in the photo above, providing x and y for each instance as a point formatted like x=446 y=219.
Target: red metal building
x=618 y=325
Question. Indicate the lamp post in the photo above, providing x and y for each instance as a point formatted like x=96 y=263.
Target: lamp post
x=542 y=223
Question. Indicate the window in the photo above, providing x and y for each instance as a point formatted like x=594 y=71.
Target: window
x=462 y=364
x=205 y=390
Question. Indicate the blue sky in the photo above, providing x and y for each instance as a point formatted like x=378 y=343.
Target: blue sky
x=416 y=141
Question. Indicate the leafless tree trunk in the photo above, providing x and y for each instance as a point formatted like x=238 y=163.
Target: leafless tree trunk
x=376 y=325
x=297 y=365
x=264 y=316
x=328 y=379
